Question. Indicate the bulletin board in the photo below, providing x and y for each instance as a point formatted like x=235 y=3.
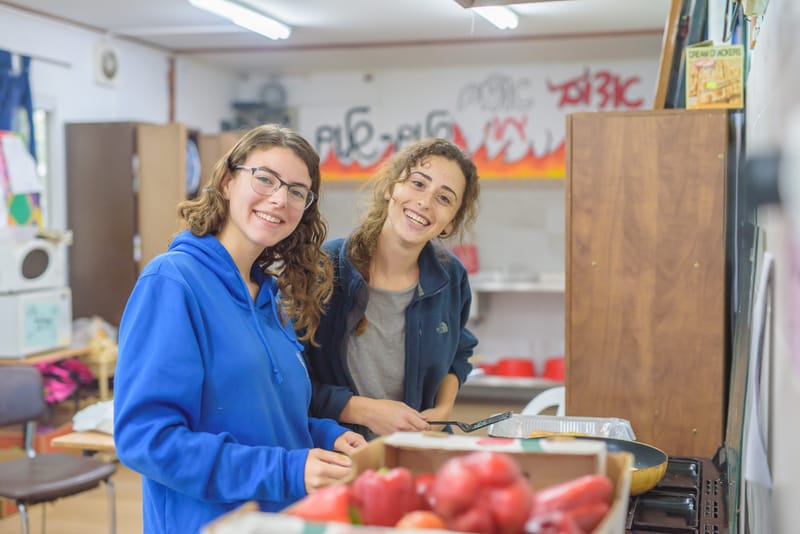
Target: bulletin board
x=16 y=209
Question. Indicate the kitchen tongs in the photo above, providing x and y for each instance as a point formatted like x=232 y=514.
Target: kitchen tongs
x=469 y=427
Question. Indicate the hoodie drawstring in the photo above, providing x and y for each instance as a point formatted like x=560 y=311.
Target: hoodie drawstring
x=276 y=372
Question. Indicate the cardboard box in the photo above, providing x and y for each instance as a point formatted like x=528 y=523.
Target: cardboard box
x=715 y=77
x=12 y=436
x=545 y=462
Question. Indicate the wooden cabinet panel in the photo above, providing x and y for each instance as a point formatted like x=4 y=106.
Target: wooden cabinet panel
x=212 y=147
x=124 y=180
x=162 y=185
x=646 y=275
x=100 y=213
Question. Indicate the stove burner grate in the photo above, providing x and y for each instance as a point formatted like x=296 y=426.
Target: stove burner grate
x=688 y=500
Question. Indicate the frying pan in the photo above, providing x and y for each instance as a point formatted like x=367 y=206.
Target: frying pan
x=649 y=463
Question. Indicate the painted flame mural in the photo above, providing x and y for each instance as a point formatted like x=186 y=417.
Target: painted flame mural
x=512 y=123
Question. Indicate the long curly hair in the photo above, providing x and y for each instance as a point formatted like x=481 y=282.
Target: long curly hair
x=364 y=240
x=302 y=270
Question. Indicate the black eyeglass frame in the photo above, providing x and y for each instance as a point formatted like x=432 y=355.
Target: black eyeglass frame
x=310 y=195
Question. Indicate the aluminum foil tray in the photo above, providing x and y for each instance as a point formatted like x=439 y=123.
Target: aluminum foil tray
x=531 y=426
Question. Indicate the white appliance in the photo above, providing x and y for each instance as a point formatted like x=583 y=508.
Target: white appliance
x=32 y=258
x=35 y=321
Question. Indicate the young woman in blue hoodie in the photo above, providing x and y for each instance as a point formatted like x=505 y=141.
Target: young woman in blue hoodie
x=211 y=392
x=393 y=342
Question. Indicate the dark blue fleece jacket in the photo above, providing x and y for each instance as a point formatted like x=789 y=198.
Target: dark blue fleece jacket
x=436 y=337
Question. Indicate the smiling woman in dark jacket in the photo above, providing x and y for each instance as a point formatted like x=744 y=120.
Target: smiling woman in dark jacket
x=393 y=343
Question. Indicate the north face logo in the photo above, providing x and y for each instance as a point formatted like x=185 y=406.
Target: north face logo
x=442 y=328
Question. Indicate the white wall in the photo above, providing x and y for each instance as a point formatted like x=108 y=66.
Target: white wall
x=520 y=228
x=773 y=107
x=63 y=82
x=521 y=223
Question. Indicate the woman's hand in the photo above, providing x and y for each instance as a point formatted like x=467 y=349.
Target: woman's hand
x=382 y=416
x=394 y=416
x=324 y=468
x=349 y=442
x=437 y=413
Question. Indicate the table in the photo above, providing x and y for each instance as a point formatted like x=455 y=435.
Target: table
x=46 y=357
x=88 y=441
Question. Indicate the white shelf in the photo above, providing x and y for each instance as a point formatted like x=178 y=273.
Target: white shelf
x=498 y=283
x=487 y=388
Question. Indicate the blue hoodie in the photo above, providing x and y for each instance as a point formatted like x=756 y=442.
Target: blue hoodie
x=211 y=392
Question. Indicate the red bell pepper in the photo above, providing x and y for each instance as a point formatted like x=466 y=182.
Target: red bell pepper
x=331 y=503
x=571 y=494
x=383 y=497
x=580 y=504
x=588 y=516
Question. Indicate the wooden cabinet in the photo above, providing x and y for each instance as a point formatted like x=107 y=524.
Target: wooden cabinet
x=211 y=148
x=124 y=181
x=646 y=273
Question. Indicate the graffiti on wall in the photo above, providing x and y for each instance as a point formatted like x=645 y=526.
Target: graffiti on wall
x=512 y=125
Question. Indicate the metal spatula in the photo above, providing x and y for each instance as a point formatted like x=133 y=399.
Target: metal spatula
x=469 y=427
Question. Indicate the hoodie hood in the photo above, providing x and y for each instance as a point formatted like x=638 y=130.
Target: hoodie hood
x=214 y=256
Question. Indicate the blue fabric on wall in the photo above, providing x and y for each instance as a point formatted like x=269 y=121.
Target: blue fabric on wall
x=15 y=93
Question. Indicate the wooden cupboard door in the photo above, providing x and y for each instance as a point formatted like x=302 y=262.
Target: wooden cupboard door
x=161 y=153
x=100 y=213
x=645 y=267
x=211 y=148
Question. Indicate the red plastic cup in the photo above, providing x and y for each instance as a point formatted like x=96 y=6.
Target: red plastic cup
x=516 y=366
x=488 y=368
x=468 y=254
x=554 y=369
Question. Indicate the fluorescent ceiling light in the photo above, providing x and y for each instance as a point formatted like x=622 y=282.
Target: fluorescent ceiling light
x=246 y=17
x=500 y=16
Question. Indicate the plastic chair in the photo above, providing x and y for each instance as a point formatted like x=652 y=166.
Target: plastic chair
x=546 y=399
x=44 y=477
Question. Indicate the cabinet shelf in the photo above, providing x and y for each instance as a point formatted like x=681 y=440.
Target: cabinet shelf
x=497 y=283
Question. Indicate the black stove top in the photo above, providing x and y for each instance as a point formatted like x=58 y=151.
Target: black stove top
x=690 y=499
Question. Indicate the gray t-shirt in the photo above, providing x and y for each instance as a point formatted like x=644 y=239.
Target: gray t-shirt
x=377 y=357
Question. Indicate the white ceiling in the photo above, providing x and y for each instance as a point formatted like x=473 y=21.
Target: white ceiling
x=370 y=33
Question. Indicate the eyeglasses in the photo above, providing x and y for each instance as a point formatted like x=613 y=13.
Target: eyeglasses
x=265 y=183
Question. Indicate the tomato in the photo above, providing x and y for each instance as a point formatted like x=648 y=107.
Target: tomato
x=424 y=484
x=482 y=491
x=492 y=468
x=510 y=507
x=555 y=522
x=477 y=518
x=455 y=489
x=421 y=519
x=331 y=503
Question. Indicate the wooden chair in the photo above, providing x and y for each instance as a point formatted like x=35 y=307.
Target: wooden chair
x=44 y=477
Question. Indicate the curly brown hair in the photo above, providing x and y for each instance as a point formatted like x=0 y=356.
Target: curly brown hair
x=364 y=239
x=303 y=272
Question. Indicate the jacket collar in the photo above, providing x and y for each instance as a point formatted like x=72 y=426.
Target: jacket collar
x=433 y=277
